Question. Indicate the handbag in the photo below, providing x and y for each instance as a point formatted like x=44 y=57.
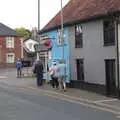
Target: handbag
x=51 y=73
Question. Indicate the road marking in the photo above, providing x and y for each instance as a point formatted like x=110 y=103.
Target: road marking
x=1 y=77
x=109 y=100
x=85 y=104
x=73 y=100
x=118 y=117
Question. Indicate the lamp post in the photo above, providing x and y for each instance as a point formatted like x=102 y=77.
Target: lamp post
x=38 y=15
x=62 y=39
x=38 y=24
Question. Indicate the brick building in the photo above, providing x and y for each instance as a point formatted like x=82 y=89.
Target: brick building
x=10 y=46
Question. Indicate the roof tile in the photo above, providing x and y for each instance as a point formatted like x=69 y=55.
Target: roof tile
x=83 y=9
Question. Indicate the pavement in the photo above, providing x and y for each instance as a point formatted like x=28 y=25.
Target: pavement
x=8 y=77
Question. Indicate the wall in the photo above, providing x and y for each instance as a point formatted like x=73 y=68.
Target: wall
x=93 y=52
x=16 y=50
x=57 y=49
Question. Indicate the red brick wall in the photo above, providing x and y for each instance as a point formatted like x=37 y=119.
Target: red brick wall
x=3 y=50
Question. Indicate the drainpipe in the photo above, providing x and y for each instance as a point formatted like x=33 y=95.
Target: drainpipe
x=117 y=55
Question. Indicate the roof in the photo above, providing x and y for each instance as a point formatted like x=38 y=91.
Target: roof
x=81 y=10
x=6 y=31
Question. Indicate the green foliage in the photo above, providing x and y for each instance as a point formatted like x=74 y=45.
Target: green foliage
x=25 y=32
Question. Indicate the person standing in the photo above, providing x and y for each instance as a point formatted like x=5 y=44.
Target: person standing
x=53 y=74
x=38 y=70
x=61 y=71
x=19 y=66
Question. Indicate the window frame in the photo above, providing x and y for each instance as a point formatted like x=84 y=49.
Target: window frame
x=59 y=41
x=10 y=42
x=109 y=32
x=13 y=59
x=78 y=36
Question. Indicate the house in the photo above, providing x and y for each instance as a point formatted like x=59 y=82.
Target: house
x=93 y=30
x=10 y=46
x=58 y=51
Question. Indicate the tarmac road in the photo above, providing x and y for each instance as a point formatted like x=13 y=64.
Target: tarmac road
x=23 y=104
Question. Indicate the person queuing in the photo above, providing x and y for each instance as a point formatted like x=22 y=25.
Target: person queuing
x=53 y=74
x=38 y=70
x=19 y=66
x=61 y=71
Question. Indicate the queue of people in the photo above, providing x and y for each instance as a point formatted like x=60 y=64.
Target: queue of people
x=57 y=72
x=58 y=75
x=38 y=70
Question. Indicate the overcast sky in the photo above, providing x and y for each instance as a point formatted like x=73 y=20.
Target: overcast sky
x=24 y=13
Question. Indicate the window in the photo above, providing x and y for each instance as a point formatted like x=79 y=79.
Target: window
x=10 y=57
x=59 y=40
x=78 y=36
x=109 y=33
x=59 y=37
x=9 y=42
x=80 y=69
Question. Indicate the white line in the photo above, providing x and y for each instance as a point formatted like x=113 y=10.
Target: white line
x=85 y=104
x=109 y=100
x=118 y=117
x=3 y=77
x=73 y=101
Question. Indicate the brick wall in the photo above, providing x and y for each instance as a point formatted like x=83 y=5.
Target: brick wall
x=3 y=51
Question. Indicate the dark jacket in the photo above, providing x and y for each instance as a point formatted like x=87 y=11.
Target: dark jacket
x=38 y=68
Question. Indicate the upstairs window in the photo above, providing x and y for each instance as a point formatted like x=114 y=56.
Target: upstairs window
x=109 y=32
x=78 y=36
x=59 y=37
x=9 y=42
x=59 y=40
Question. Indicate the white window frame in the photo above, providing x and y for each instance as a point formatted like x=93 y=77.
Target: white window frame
x=10 y=42
x=59 y=41
x=13 y=59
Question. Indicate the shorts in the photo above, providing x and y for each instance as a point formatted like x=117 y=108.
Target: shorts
x=63 y=78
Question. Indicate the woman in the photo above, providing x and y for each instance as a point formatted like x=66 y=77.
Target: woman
x=53 y=74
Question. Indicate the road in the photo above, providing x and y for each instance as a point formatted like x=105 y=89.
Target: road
x=25 y=104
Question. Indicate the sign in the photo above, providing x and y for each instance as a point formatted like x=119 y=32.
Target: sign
x=45 y=45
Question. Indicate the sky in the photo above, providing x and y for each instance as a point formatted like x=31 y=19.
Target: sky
x=24 y=13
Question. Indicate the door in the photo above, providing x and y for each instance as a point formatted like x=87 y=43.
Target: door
x=110 y=77
x=80 y=69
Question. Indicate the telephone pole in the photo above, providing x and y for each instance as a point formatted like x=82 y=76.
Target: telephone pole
x=38 y=25
x=62 y=30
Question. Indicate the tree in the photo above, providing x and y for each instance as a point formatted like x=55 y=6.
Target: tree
x=25 y=32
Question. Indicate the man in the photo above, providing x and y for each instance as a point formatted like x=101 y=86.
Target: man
x=19 y=66
x=38 y=69
x=61 y=71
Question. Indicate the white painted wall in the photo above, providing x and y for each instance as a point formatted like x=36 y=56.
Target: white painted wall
x=93 y=52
